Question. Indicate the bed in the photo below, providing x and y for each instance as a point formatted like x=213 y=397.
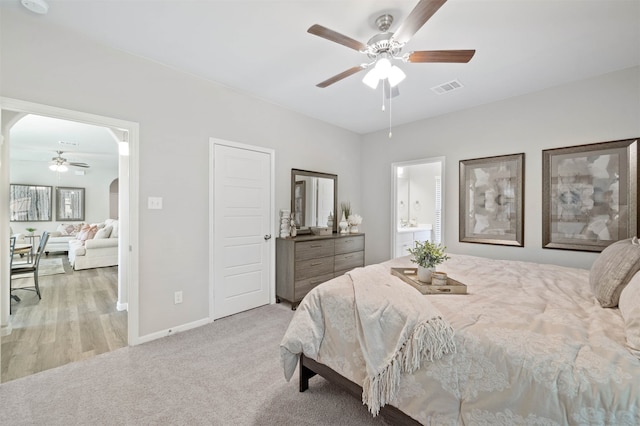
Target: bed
x=532 y=345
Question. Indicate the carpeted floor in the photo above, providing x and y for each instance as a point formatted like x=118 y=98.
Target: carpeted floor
x=225 y=373
x=46 y=267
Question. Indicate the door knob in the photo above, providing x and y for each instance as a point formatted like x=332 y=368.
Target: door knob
x=267 y=237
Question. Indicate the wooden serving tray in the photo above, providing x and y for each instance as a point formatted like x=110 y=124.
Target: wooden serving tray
x=410 y=276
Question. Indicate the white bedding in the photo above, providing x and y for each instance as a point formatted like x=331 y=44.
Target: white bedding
x=533 y=347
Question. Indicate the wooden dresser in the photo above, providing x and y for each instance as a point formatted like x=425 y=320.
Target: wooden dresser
x=305 y=261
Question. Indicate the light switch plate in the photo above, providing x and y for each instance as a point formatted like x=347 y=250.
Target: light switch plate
x=155 y=203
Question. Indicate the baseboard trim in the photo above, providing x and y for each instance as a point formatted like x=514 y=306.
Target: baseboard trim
x=169 y=331
x=122 y=306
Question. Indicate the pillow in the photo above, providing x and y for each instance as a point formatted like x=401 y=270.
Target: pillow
x=630 y=309
x=93 y=230
x=613 y=269
x=69 y=228
x=103 y=233
x=114 y=233
x=66 y=229
x=83 y=235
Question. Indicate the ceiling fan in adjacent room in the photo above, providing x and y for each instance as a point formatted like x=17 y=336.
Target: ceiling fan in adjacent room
x=60 y=164
x=385 y=48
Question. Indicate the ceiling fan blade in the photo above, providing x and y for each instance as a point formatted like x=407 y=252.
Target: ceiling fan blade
x=336 y=37
x=338 y=77
x=85 y=165
x=458 y=56
x=416 y=19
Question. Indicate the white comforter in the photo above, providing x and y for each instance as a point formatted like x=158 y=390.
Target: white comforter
x=533 y=347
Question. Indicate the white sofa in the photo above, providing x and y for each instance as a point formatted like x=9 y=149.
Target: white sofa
x=59 y=239
x=97 y=250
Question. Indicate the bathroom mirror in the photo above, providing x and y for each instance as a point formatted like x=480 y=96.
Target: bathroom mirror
x=314 y=197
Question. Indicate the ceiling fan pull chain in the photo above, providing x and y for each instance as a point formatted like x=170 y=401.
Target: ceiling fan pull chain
x=383 y=107
x=390 y=110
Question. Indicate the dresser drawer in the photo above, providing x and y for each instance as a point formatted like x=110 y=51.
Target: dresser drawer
x=349 y=244
x=303 y=287
x=348 y=261
x=314 y=249
x=313 y=268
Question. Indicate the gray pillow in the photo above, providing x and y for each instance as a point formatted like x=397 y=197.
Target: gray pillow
x=613 y=269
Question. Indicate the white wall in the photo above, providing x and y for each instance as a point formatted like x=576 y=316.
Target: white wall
x=600 y=109
x=96 y=182
x=177 y=114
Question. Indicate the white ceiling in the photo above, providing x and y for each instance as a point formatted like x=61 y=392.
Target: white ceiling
x=36 y=138
x=262 y=48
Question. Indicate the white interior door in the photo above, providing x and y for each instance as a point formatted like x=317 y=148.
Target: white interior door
x=242 y=229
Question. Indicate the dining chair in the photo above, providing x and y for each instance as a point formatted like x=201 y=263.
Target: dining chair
x=30 y=268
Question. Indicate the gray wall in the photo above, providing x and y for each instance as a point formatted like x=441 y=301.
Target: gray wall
x=177 y=114
x=595 y=110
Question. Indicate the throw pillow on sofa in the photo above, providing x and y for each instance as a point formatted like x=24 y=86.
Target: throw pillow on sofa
x=85 y=233
x=103 y=233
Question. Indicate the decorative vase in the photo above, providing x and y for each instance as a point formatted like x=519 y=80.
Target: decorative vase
x=424 y=274
x=343 y=224
x=353 y=229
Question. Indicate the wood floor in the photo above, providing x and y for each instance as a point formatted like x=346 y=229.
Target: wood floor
x=76 y=319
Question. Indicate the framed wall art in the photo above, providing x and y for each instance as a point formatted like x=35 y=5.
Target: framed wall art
x=69 y=203
x=589 y=195
x=491 y=200
x=30 y=203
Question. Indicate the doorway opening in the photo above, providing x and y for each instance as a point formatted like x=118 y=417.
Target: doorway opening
x=417 y=212
x=124 y=275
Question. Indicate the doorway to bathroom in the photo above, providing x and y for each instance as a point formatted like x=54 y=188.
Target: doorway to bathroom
x=418 y=204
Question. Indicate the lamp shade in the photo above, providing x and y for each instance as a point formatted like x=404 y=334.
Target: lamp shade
x=396 y=75
x=58 y=168
x=371 y=78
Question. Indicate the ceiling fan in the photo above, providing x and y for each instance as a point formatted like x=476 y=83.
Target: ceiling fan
x=386 y=46
x=59 y=164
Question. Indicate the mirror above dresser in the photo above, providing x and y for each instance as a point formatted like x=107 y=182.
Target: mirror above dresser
x=314 y=197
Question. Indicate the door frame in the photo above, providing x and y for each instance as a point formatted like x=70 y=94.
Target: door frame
x=128 y=172
x=394 y=189
x=272 y=256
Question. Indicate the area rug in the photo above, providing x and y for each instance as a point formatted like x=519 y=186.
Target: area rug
x=47 y=267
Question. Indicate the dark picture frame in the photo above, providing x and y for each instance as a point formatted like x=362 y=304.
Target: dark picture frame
x=491 y=200
x=30 y=203
x=70 y=203
x=589 y=195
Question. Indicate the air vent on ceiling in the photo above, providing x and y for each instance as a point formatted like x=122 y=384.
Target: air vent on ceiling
x=65 y=143
x=447 y=87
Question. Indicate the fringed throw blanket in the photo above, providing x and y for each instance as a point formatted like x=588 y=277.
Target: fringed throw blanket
x=397 y=328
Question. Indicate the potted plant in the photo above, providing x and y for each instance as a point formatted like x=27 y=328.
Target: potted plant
x=427 y=255
x=346 y=212
x=31 y=230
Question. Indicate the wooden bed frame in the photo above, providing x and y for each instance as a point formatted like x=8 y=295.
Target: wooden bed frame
x=309 y=368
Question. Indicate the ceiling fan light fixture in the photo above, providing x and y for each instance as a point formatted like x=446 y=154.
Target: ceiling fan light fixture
x=383 y=67
x=396 y=75
x=371 y=78
x=58 y=168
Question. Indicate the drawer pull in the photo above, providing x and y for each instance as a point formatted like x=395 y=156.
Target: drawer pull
x=348 y=257
x=315 y=245
x=316 y=264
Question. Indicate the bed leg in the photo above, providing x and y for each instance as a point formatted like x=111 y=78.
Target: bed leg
x=305 y=375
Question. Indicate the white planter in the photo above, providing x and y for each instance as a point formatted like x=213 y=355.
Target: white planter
x=424 y=274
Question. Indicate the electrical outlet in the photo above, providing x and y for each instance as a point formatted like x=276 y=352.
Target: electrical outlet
x=154 y=203
x=177 y=297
